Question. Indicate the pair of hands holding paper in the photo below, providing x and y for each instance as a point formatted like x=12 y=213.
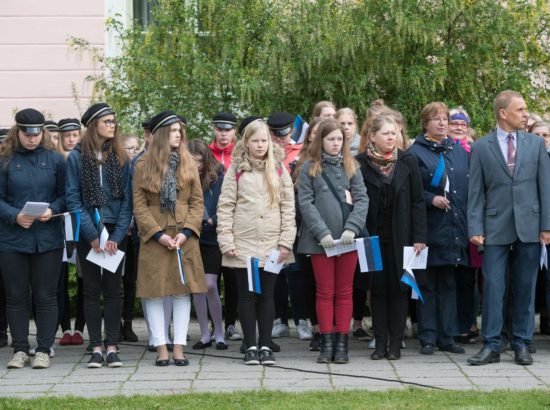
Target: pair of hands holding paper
x=283 y=253
x=347 y=238
x=25 y=221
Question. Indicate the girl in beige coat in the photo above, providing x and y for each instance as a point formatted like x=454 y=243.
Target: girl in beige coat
x=168 y=208
x=255 y=217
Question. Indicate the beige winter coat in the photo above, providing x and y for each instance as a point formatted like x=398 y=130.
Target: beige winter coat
x=158 y=271
x=246 y=222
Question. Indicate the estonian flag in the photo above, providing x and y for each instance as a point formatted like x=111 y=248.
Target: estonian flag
x=409 y=279
x=440 y=175
x=300 y=128
x=253 y=275
x=368 y=252
x=103 y=234
x=70 y=233
x=180 y=266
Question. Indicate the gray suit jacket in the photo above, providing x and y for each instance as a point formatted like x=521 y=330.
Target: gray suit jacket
x=504 y=207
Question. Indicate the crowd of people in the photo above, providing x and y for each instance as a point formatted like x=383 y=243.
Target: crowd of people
x=190 y=216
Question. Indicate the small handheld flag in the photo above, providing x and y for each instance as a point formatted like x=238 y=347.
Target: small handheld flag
x=440 y=178
x=409 y=279
x=368 y=252
x=103 y=234
x=180 y=266
x=300 y=129
x=253 y=275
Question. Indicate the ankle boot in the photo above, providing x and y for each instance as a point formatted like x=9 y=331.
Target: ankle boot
x=341 y=349
x=128 y=332
x=327 y=348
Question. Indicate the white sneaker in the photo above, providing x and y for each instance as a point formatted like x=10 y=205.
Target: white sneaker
x=232 y=334
x=19 y=360
x=302 y=330
x=41 y=361
x=372 y=344
x=279 y=329
x=32 y=352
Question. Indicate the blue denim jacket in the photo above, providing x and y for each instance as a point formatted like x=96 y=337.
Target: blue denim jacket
x=116 y=211
x=37 y=176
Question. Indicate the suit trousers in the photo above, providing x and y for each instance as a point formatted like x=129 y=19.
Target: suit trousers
x=523 y=261
x=437 y=316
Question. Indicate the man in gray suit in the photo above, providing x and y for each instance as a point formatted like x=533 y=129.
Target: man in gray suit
x=509 y=214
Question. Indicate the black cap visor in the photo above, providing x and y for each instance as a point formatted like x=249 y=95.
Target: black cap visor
x=224 y=125
x=31 y=130
x=282 y=132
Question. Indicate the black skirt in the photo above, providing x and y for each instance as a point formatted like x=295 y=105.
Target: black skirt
x=211 y=259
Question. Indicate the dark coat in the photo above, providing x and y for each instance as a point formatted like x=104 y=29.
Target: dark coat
x=32 y=176
x=447 y=230
x=211 y=196
x=409 y=221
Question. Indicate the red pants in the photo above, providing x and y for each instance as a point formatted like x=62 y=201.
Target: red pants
x=334 y=282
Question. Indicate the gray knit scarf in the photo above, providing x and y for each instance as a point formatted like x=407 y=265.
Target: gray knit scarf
x=168 y=190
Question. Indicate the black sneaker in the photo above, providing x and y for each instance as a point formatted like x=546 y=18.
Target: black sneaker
x=113 y=360
x=315 y=343
x=266 y=356
x=272 y=345
x=96 y=361
x=252 y=356
x=361 y=334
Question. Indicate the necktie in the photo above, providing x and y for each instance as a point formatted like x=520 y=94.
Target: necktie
x=511 y=160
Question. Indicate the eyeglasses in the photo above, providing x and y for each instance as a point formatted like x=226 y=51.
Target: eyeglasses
x=461 y=124
x=110 y=123
x=132 y=149
x=439 y=119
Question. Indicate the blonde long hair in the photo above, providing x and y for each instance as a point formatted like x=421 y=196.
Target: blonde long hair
x=156 y=159
x=12 y=143
x=271 y=177
x=316 y=148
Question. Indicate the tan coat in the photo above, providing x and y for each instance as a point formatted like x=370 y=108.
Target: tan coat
x=245 y=220
x=158 y=272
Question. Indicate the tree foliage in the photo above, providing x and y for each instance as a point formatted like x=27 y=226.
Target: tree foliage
x=257 y=56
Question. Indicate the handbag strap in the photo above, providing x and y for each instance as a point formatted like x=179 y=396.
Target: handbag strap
x=331 y=187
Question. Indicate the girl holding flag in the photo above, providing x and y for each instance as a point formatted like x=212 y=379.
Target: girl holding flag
x=168 y=207
x=256 y=217
x=98 y=185
x=397 y=215
x=444 y=166
x=32 y=245
x=331 y=170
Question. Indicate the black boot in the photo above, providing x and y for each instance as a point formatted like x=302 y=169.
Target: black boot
x=341 y=349
x=128 y=332
x=327 y=348
x=3 y=338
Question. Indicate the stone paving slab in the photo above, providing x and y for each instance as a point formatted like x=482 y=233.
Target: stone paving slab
x=296 y=371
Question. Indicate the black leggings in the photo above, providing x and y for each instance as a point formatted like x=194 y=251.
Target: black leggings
x=253 y=307
x=310 y=288
x=129 y=280
x=38 y=272
x=97 y=283
x=230 y=295
x=3 y=318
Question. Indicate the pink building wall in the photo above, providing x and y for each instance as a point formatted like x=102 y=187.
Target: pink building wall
x=37 y=67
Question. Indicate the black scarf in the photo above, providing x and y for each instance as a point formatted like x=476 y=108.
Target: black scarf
x=168 y=190
x=337 y=159
x=92 y=190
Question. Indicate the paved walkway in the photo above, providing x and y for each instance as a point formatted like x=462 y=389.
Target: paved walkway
x=68 y=374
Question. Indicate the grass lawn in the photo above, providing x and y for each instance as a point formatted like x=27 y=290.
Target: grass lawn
x=352 y=399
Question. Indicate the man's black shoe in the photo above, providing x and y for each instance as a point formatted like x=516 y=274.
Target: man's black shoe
x=522 y=356
x=485 y=356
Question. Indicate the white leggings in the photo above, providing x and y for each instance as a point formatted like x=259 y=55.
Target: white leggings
x=167 y=302
x=157 y=318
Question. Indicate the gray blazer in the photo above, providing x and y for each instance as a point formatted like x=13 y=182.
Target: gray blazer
x=504 y=207
x=321 y=212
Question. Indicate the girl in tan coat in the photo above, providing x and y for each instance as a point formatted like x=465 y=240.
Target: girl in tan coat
x=168 y=208
x=255 y=217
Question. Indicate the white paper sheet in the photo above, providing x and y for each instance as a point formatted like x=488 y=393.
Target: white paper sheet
x=105 y=260
x=340 y=249
x=35 y=209
x=543 y=256
x=72 y=259
x=271 y=264
x=416 y=261
x=68 y=227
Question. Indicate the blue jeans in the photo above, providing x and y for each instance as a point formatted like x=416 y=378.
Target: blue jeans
x=523 y=261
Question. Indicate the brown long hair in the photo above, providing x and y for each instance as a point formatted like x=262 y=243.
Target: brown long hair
x=210 y=165
x=304 y=154
x=91 y=144
x=60 y=148
x=326 y=127
x=11 y=144
x=318 y=107
x=156 y=161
